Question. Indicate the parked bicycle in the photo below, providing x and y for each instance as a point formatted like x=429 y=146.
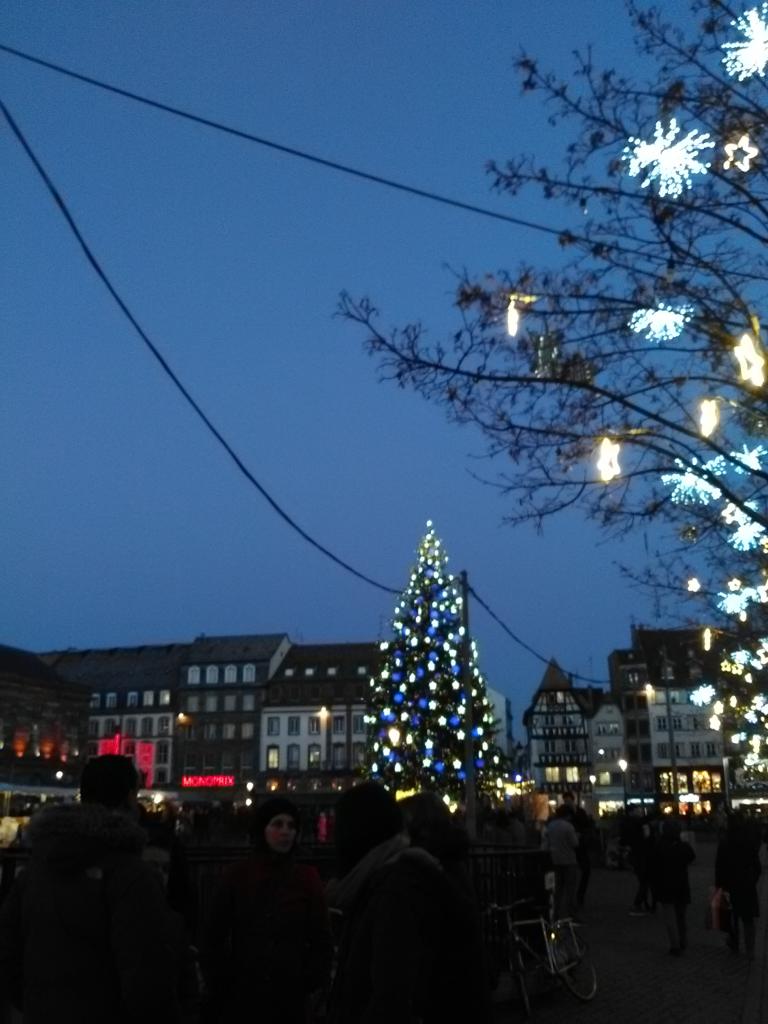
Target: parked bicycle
x=536 y=947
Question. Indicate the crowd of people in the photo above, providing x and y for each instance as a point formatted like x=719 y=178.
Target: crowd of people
x=101 y=917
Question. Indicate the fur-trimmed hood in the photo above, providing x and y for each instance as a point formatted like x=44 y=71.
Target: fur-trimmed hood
x=72 y=837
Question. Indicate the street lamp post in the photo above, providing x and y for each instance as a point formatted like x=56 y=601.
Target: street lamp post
x=623 y=767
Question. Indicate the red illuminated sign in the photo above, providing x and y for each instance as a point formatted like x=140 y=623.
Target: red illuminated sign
x=207 y=780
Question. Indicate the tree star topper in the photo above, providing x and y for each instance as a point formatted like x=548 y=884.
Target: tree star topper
x=665 y=161
x=742 y=146
x=748 y=56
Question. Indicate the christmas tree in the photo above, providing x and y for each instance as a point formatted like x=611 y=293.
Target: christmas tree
x=422 y=721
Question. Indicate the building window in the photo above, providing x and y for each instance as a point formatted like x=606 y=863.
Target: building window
x=661 y=724
x=289 y=672
x=309 y=671
x=294 y=725
x=695 y=750
x=246 y=760
x=193 y=703
x=165 y=698
x=162 y=750
x=552 y=774
x=331 y=670
x=662 y=750
x=161 y=776
x=313 y=755
x=92 y=749
x=358 y=753
x=249 y=673
x=193 y=675
x=129 y=748
x=148 y=699
x=211 y=702
x=246 y=730
x=339 y=755
x=212 y=674
x=95 y=700
x=273 y=725
x=293 y=755
x=249 y=702
x=362 y=670
x=163 y=725
x=339 y=725
x=130 y=726
x=230 y=702
x=93 y=727
x=146 y=726
x=228 y=731
x=109 y=727
x=132 y=700
x=604 y=779
x=210 y=761
x=572 y=773
x=230 y=674
x=210 y=731
x=110 y=700
x=227 y=760
x=677 y=722
x=358 y=723
x=273 y=757
x=190 y=760
x=314 y=725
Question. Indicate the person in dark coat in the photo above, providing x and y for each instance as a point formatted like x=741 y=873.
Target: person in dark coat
x=737 y=869
x=85 y=932
x=407 y=929
x=266 y=948
x=668 y=873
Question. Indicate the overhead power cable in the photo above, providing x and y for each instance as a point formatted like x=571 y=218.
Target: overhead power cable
x=167 y=368
x=101 y=273
x=527 y=647
x=239 y=133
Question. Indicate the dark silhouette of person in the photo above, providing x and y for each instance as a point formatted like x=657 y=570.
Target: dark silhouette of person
x=85 y=933
x=668 y=875
x=266 y=947
x=403 y=951
x=737 y=869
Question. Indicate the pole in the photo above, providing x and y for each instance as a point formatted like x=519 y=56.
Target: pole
x=470 y=802
x=670 y=731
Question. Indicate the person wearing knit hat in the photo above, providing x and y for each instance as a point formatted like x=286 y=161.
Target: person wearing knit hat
x=275 y=826
x=266 y=948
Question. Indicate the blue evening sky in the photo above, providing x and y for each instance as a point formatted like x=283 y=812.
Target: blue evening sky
x=121 y=520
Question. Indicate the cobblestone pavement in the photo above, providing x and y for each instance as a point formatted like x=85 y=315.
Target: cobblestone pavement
x=638 y=981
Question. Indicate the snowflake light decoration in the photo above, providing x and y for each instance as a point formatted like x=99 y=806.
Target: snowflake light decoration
x=703 y=695
x=688 y=486
x=668 y=162
x=748 y=56
x=748 y=533
x=663 y=323
x=749 y=459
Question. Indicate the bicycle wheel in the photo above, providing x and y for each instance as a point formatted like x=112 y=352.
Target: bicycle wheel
x=517 y=970
x=579 y=978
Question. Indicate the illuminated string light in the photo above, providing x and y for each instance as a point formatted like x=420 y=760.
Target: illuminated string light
x=608 y=460
x=709 y=416
x=694 y=586
x=513 y=311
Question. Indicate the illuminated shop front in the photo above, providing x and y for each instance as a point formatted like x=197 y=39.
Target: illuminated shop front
x=699 y=790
